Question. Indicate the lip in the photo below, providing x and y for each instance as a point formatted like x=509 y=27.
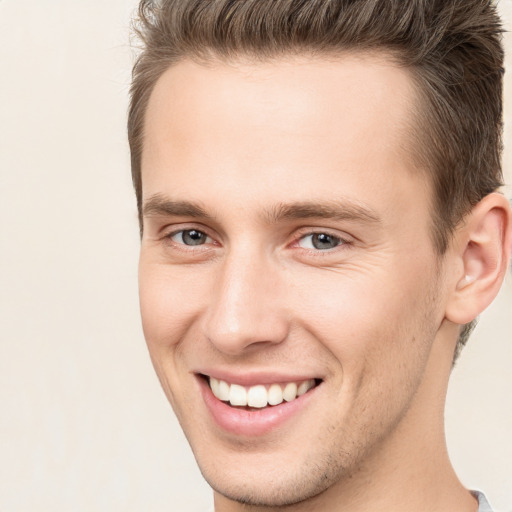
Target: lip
x=249 y=379
x=253 y=423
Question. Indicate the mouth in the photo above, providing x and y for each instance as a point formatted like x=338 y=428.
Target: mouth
x=259 y=396
x=256 y=406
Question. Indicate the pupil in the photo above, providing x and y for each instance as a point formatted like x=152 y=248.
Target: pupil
x=323 y=241
x=193 y=237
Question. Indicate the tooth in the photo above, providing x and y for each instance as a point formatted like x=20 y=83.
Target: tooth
x=290 y=391
x=237 y=395
x=257 y=396
x=214 y=385
x=275 y=394
x=223 y=391
x=305 y=387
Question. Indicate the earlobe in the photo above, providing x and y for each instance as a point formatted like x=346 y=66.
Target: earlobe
x=483 y=251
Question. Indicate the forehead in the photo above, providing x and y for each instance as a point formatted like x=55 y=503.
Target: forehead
x=292 y=125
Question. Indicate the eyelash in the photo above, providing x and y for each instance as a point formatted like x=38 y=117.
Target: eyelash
x=190 y=231
x=341 y=242
x=198 y=249
x=338 y=240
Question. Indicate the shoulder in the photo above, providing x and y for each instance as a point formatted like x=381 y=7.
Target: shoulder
x=483 y=504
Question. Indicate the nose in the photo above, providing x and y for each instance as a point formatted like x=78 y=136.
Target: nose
x=245 y=308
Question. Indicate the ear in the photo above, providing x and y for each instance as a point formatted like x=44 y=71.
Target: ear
x=482 y=247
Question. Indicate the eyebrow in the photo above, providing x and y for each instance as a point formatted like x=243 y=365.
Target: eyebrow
x=342 y=210
x=158 y=205
x=337 y=210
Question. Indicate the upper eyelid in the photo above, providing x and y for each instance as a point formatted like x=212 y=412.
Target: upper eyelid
x=343 y=243
x=300 y=233
x=168 y=231
x=191 y=250
x=338 y=237
x=175 y=232
x=303 y=232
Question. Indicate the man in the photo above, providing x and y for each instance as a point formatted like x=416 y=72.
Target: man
x=317 y=187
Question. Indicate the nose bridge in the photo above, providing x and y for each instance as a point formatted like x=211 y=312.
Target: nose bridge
x=244 y=308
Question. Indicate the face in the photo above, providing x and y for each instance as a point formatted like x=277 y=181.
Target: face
x=287 y=275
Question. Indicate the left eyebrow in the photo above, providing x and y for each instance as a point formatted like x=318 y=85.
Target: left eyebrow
x=343 y=210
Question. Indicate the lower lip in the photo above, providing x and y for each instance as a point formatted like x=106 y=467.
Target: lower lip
x=251 y=423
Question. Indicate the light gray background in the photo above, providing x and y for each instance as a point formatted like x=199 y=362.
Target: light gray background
x=84 y=425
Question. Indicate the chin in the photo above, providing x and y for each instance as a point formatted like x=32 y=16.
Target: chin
x=250 y=484
x=272 y=495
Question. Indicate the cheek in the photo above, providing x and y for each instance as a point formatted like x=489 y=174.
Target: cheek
x=363 y=317
x=169 y=302
x=379 y=339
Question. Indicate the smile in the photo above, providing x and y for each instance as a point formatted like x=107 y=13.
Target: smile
x=260 y=395
x=251 y=406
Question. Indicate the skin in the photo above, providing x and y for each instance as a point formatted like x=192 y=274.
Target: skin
x=370 y=317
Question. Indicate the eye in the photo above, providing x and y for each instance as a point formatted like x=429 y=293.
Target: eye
x=320 y=241
x=190 y=237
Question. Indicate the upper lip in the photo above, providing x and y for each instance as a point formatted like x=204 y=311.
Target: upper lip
x=252 y=378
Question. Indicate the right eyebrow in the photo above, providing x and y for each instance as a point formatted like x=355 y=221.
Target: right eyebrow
x=158 y=205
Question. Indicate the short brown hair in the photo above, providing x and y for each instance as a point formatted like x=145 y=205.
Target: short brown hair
x=453 y=49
